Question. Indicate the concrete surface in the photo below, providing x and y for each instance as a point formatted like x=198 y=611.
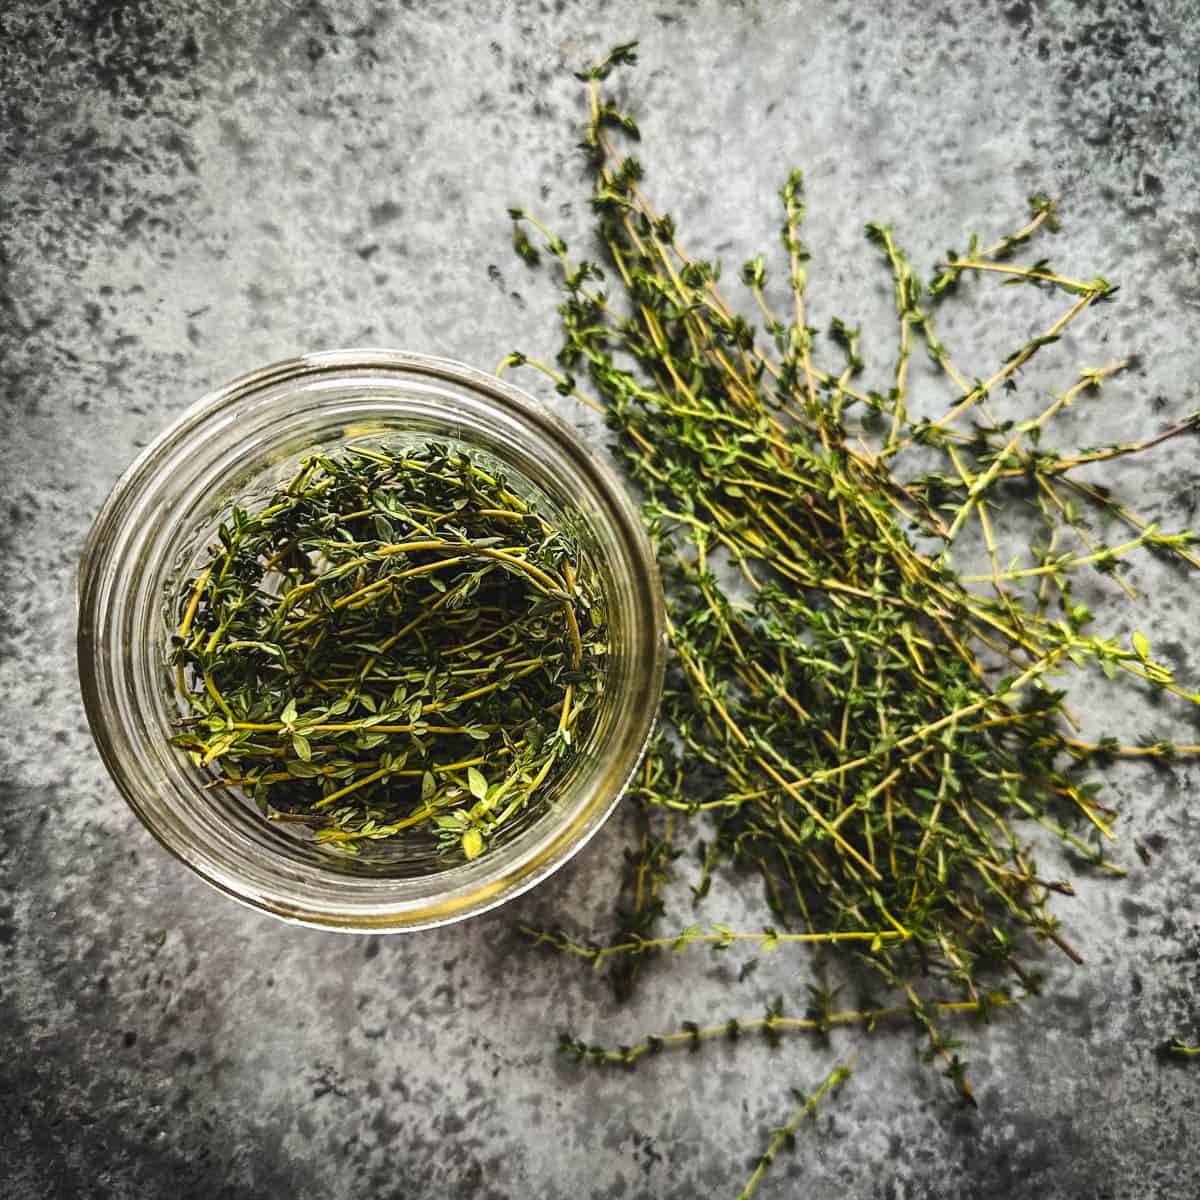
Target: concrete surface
x=190 y=190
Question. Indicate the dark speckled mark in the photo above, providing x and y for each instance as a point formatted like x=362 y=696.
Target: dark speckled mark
x=326 y=1080
x=1019 y=14
x=1157 y=842
x=385 y=213
x=132 y=46
x=1133 y=912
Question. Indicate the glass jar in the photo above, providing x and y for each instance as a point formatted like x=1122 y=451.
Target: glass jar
x=238 y=444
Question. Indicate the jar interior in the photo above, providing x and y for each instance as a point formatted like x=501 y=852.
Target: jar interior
x=249 y=484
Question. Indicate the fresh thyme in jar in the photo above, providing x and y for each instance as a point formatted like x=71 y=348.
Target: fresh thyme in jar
x=395 y=644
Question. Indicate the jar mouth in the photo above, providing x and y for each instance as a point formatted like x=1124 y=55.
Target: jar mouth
x=244 y=432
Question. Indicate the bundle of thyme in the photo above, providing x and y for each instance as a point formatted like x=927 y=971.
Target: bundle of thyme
x=865 y=728
x=395 y=644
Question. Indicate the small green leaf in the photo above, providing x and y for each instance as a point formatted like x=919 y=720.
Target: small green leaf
x=477 y=782
x=472 y=843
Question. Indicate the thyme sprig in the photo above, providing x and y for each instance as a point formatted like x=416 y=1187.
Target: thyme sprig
x=1178 y=1048
x=721 y=937
x=819 y=1020
x=396 y=643
x=867 y=728
x=784 y=1138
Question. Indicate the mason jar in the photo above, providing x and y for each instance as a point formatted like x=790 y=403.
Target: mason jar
x=237 y=445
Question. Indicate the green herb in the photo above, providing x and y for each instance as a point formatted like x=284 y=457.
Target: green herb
x=395 y=643
x=862 y=725
x=784 y=1138
x=1178 y=1048
x=818 y=1022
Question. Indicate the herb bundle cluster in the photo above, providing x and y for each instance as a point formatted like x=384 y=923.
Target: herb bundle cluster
x=865 y=728
x=396 y=644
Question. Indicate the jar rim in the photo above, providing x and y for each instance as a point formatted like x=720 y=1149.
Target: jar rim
x=334 y=900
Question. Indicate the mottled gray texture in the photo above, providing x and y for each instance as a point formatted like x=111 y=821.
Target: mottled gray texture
x=186 y=196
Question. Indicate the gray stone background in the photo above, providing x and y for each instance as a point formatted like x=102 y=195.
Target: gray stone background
x=193 y=189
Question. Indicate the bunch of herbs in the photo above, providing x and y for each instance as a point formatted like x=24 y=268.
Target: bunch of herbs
x=395 y=644
x=868 y=730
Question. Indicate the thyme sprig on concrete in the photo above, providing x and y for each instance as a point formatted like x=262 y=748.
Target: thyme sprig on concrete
x=1180 y=1049
x=819 y=1019
x=396 y=643
x=853 y=718
x=784 y=1138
